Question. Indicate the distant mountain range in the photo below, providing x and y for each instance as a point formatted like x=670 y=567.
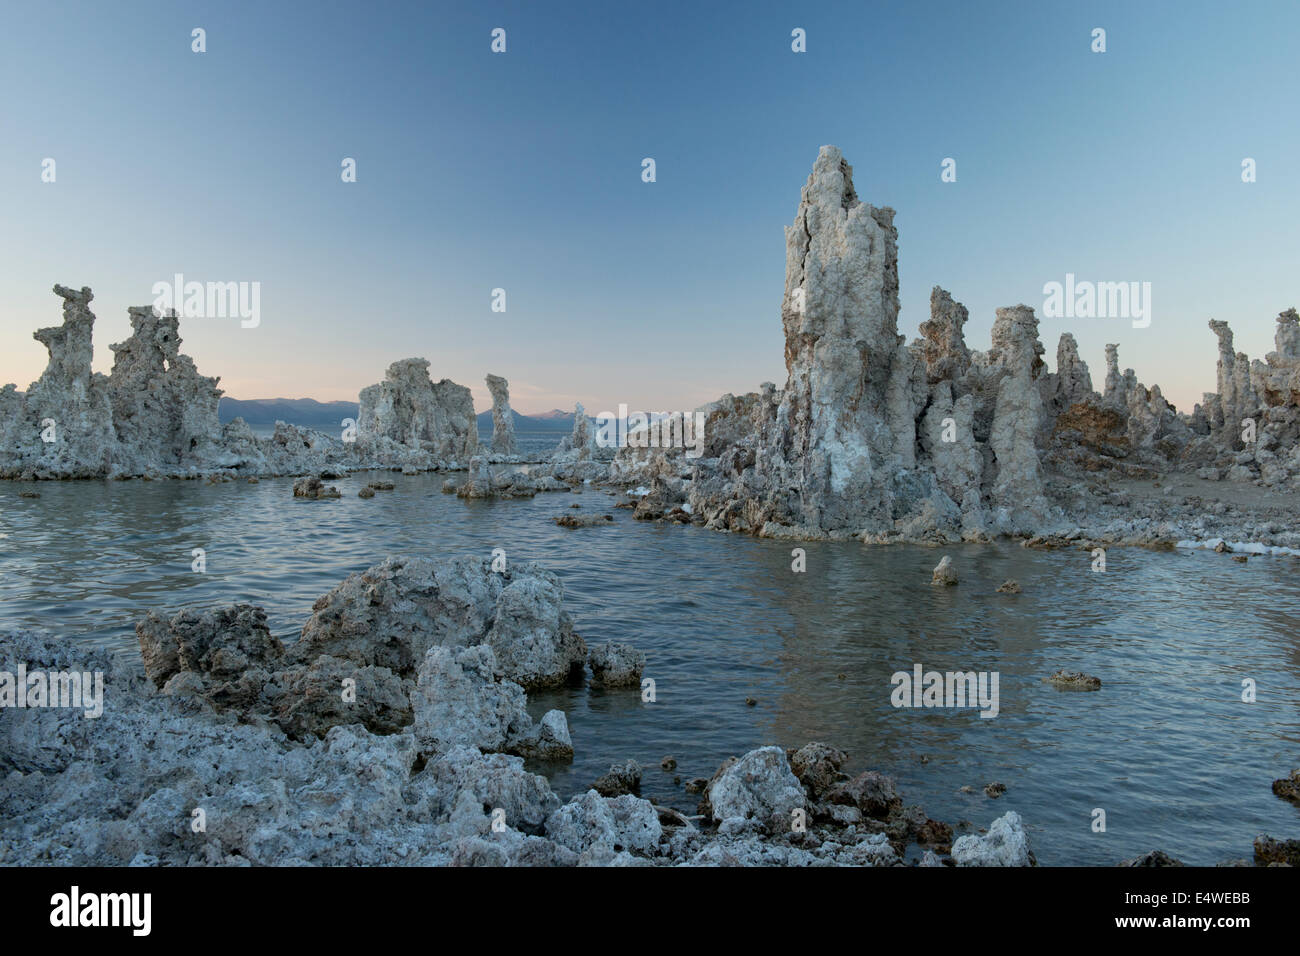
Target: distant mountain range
x=295 y=411
x=308 y=411
x=552 y=421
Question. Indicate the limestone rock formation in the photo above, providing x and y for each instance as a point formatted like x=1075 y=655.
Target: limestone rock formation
x=944 y=349
x=870 y=435
x=66 y=416
x=503 y=419
x=391 y=614
x=759 y=787
x=1073 y=382
x=1252 y=423
x=408 y=408
x=161 y=404
x=154 y=412
x=462 y=698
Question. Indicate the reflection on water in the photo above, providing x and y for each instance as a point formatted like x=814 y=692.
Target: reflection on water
x=1167 y=747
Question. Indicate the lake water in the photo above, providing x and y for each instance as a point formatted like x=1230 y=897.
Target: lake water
x=1167 y=747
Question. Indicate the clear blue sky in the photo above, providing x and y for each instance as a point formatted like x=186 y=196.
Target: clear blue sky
x=523 y=171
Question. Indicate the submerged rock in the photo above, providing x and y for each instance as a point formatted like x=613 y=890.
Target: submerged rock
x=1271 y=852
x=944 y=572
x=616 y=665
x=584 y=521
x=1288 y=788
x=621 y=779
x=1153 y=858
x=1073 y=680
x=313 y=487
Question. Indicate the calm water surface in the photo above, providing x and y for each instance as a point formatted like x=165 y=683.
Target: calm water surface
x=1167 y=747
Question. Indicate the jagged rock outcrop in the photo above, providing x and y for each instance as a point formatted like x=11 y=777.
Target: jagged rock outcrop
x=580 y=456
x=932 y=441
x=840 y=314
x=1251 y=425
x=155 y=415
x=408 y=408
x=580 y=445
x=154 y=412
x=1018 y=421
x=871 y=435
x=944 y=349
x=391 y=614
x=503 y=419
x=1073 y=381
x=161 y=404
x=64 y=423
x=483 y=635
x=1006 y=844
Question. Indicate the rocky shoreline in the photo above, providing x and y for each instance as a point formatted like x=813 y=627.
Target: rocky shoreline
x=394 y=732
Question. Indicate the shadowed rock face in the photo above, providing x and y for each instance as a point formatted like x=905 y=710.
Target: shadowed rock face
x=1253 y=396
x=503 y=422
x=160 y=401
x=1073 y=382
x=410 y=409
x=451 y=645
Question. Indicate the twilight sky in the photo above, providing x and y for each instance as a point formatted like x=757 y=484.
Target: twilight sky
x=522 y=171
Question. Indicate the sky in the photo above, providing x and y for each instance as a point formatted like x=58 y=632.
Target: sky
x=522 y=171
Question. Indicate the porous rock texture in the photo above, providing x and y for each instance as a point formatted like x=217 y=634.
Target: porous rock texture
x=503 y=420
x=1006 y=844
x=392 y=613
x=219 y=745
x=154 y=412
x=409 y=409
